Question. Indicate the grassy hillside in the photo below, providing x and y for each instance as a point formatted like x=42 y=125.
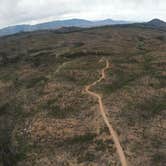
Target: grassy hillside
x=46 y=118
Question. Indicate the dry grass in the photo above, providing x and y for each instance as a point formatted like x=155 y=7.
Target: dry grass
x=50 y=120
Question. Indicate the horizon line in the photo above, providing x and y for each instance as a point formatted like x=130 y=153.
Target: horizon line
x=74 y=18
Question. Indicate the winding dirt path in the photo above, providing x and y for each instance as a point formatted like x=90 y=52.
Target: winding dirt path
x=102 y=111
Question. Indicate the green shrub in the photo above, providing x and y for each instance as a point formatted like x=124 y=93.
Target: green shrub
x=57 y=112
x=35 y=81
x=88 y=137
x=88 y=157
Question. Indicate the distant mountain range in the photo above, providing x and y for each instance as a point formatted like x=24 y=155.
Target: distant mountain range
x=155 y=23
x=58 y=24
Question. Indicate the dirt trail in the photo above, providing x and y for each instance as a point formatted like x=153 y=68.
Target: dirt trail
x=101 y=106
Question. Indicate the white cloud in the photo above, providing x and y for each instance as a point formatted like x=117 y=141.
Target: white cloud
x=35 y=11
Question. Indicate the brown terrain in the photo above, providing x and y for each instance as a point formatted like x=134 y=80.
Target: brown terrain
x=93 y=97
x=102 y=110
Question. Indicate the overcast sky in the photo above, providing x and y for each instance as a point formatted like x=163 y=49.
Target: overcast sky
x=35 y=11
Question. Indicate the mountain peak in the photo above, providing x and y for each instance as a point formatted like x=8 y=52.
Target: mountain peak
x=156 y=22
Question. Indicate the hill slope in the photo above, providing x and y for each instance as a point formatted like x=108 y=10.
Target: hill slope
x=47 y=118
